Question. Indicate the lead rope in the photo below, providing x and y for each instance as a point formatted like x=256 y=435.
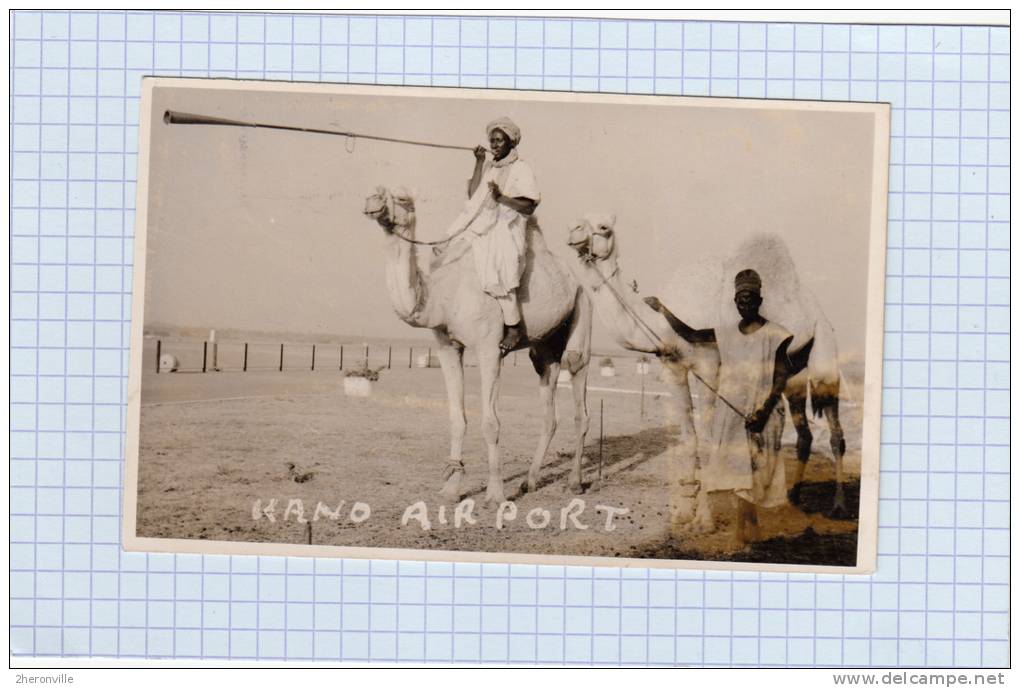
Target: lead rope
x=654 y=336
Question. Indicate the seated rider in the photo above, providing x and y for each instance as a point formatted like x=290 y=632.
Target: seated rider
x=495 y=220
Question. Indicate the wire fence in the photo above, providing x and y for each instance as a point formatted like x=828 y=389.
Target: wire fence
x=190 y=355
x=165 y=355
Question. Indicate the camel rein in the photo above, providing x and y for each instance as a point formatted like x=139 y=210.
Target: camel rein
x=654 y=336
x=438 y=242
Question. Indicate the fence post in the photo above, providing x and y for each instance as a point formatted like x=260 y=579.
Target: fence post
x=159 y=353
x=205 y=354
x=601 y=434
x=215 y=351
x=428 y=358
x=366 y=355
x=313 y=357
x=389 y=358
x=341 y=357
x=281 y=358
x=410 y=356
x=244 y=367
x=642 y=396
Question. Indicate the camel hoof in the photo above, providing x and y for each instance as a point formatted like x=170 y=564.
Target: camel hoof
x=839 y=512
x=680 y=525
x=494 y=495
x=794 y=495
x=701 y=527
x=692 y=529
x=531 y=484
x=576 y=488
x=682 y=515
x=451 y=490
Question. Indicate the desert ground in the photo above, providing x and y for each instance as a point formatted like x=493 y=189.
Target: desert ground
x=216 y=448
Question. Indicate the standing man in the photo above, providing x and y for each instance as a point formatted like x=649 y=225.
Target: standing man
x=755 y=363
x=496 y=218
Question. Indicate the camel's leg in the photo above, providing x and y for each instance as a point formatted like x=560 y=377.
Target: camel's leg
x=576 y=357
x=548 y=369
x=797 y=399
x=704 y=517
x=838 y=445
x=684 y=485
x=780 y=412
x=451 y=359
x=705 y=362
x=579 y=383
x=489 y=363
x=745 y=522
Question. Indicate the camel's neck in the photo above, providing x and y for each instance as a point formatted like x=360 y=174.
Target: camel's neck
x=404 y=282
x=631 y=322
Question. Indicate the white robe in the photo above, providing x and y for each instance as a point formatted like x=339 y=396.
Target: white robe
x=746 y=463
x=498 y=233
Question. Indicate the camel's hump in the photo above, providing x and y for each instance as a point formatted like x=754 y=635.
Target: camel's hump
x=701 y=290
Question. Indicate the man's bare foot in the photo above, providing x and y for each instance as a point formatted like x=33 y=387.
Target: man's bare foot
x=513 y=338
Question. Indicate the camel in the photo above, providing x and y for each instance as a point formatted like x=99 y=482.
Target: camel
x=637 y=327
x=448 y=300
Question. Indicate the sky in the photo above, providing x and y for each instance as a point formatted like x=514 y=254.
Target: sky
x=262 y=230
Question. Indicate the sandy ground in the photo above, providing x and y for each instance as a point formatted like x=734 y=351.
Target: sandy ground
x=213 y=445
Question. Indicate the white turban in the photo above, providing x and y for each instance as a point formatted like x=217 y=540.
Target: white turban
x=507 y=126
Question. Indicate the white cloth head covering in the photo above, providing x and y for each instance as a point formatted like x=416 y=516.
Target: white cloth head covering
x=507 y=126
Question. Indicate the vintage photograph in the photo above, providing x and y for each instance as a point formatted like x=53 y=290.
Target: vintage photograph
x=507 y=326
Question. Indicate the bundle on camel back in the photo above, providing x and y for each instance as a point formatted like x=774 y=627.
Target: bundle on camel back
x=703 y=295
x=449 y=300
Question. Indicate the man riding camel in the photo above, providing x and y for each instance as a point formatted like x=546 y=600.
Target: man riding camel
x=495 y=219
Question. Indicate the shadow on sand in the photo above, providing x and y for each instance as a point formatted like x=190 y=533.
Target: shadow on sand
x=816 y=498
x=625 y=453
x=807 y=548
x=620 y=454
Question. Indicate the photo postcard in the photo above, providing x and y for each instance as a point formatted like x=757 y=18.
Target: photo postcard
x=507 y=326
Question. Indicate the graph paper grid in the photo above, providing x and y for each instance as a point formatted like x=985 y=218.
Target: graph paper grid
x=940 y=596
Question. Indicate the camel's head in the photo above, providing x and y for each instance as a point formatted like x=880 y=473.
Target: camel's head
x=594 y=239
x=391 y=209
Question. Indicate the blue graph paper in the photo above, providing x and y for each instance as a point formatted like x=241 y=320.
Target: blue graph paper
x=940 y=595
